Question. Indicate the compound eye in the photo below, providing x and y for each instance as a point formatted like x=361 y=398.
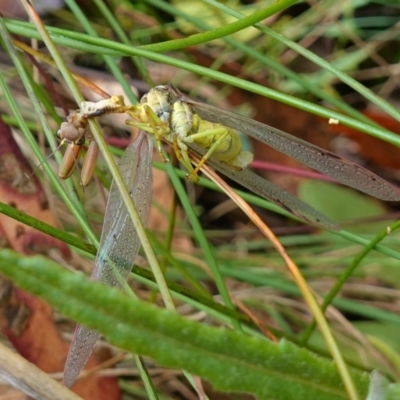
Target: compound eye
x=80 y=141
x=58 y=134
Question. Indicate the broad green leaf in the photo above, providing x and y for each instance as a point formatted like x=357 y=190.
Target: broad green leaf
x=231 y=361
x=342 y=204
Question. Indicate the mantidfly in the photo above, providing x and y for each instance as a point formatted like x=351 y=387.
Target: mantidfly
x=211 y=134
x=75 y=131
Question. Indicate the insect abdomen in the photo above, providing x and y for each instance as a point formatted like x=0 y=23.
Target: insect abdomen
x=230 y=149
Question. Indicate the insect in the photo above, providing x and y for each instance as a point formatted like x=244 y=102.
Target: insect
x=75 y=131
x=119 y=242
x=211 y=133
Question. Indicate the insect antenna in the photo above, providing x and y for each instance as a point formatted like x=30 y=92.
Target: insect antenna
x=49 y=156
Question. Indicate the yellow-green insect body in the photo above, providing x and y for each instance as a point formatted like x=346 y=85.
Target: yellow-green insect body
x=224 y=141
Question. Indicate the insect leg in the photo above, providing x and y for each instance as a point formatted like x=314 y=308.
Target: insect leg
x=150 y=123
x=70 y=160
x=89 y=163
x=181 y=151
x=221 y=133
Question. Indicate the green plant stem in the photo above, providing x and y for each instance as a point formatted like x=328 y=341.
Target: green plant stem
x=46 y=228
x=223 y=31
x=346 y=275
x=95 y=129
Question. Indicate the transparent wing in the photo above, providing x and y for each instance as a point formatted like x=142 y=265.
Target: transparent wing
x=313 y=156
x=119 y=243
x=269 y=191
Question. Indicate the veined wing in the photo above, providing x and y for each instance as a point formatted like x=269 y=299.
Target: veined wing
x=119 y=243
x=330 y=164
x=269 y=191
